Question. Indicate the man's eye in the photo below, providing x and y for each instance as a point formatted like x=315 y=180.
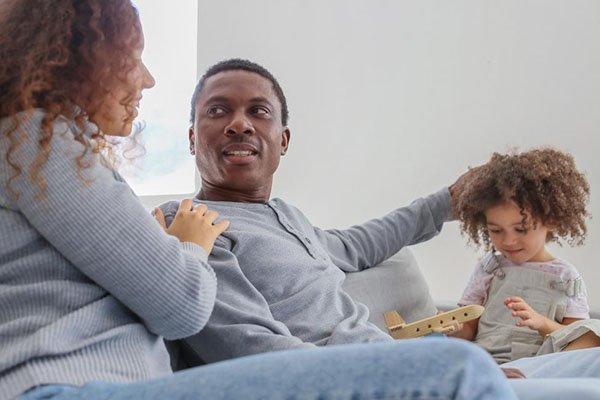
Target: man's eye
x=215 y=111
x=260 y=111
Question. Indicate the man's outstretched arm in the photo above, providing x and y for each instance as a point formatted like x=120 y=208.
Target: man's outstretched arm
x=368 y=244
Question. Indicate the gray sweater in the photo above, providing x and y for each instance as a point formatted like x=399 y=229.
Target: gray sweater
x=280 y=278
x=89 y=282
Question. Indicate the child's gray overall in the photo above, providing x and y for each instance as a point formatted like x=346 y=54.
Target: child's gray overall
x=545 y=293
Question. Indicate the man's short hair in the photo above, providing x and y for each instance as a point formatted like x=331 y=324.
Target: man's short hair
x=236 y=64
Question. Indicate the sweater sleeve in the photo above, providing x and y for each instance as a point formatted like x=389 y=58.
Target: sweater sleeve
x=366 y=245
x=241 y=323
x=95 y=221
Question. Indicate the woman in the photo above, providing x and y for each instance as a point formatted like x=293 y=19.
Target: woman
x=90 y=283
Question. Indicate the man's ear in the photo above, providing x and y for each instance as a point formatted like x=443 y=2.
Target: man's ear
x=192 y=139
x=285 y=140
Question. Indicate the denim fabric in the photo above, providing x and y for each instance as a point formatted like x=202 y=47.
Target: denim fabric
x=584 y=363
x=565 y=375
x=409 y=369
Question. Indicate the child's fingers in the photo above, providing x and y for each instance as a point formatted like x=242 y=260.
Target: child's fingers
x=524 y=315
x=185 y=205
x=221 y=226
x=518 y=306
x=211 y=216
x=160 y=218
x=513 y=300
x=201 y=209
x=526 y=322
x=513 y=373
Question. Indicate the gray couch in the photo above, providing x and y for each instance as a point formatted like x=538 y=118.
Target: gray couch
x=395 y=284
x=398 y=284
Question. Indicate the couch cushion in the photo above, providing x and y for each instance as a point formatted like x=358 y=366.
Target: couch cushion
x=396 y=283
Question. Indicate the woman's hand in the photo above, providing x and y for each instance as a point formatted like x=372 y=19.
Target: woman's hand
x=193 y=224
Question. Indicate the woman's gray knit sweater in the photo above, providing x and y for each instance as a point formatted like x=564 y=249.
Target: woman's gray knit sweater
x=89 y=282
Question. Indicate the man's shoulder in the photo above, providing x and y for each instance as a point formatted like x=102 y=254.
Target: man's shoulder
x=284 y=206
x=170 y=207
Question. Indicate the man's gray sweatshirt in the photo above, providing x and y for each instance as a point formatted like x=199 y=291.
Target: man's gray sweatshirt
x=280 y=278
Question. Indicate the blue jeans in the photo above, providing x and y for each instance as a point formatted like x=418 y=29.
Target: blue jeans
x=566 y=375
x=408 y=369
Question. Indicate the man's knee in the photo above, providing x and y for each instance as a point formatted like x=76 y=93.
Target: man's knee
x=458 y=351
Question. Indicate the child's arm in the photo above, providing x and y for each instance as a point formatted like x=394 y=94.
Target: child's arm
x=468 y=331
x=531 y=319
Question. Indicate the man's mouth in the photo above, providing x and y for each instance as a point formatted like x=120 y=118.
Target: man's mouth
x=240 y=153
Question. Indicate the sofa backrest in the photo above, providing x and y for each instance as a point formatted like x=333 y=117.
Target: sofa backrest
x=395 y=284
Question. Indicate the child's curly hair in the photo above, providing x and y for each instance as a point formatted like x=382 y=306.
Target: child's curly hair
x=544 y=182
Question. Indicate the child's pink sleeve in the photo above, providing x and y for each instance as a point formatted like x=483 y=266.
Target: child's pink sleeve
x=477 y=288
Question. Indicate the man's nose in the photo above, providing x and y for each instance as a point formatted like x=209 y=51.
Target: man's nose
x=239 y=124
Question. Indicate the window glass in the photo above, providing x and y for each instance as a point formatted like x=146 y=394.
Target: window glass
x=170 y=30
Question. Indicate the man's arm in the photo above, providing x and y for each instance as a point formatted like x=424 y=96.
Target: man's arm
x=366 y=245
x=241 y=322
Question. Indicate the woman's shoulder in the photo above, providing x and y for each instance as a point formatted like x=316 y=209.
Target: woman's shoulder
x=30 y=123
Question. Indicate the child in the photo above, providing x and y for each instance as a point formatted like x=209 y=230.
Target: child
x=535 y=303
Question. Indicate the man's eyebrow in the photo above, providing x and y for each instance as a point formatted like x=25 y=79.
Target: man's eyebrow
x=261 y=100
x=217 y=99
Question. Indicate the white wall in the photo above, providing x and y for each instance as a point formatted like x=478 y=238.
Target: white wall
x=390 y=100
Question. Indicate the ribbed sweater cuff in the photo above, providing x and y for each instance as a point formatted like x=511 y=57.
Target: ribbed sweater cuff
x=195 y=249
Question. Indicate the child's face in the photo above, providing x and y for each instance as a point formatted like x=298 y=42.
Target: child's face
x=510 y=237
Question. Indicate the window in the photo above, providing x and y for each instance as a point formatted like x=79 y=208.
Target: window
x=167 y=168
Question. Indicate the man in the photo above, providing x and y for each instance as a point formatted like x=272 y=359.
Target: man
x=279 y=277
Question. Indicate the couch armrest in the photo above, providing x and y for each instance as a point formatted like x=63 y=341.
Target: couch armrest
x=395 y=284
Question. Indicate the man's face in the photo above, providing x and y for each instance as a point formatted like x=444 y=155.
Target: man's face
x=238 y=137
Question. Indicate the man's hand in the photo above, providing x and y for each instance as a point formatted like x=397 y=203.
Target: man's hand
x=529 y=317
x=193 y=224
x=457 y=187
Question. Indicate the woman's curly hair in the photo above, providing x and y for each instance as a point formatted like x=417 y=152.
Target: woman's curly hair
x=66 y=57
x=543 y=182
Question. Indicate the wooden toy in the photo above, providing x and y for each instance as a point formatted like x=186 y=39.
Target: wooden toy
x=441 y=323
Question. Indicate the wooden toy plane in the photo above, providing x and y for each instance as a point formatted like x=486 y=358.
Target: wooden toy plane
x=442 y=323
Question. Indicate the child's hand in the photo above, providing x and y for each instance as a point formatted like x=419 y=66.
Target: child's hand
x=193 y=224
x=458 y=327
x=513 y=373
x=529 y=317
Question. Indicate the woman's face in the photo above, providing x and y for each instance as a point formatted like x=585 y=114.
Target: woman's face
x=116 y=115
